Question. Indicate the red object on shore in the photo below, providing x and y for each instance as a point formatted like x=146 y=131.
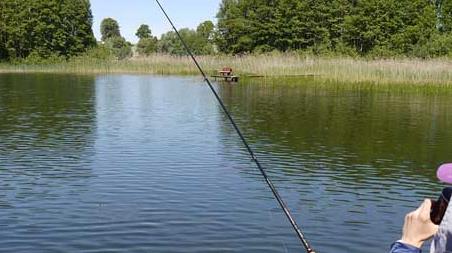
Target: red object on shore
x=227 y=75
x=227 y=71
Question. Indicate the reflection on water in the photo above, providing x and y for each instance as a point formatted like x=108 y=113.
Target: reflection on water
x=44 y=120
x=151 y=164
x=352 y=161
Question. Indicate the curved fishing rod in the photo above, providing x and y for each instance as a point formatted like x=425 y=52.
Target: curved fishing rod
x=245 y=142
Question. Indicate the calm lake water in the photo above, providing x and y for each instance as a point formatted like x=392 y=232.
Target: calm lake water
x=127 y=163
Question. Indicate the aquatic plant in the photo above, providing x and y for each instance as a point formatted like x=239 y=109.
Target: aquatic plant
x=337 y=69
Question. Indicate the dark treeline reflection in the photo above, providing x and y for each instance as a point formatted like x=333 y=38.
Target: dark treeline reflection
x=45 y=119
x=383 y=127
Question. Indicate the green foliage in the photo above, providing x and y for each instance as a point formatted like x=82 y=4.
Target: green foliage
x=45 y=28
x=247 y=26
x=206 y=29
x=119 y=47
x=376 y=28
x=147 y=46
x=3 y=32
x=144 y=32
x=35 y=58
x=3 y=51
x=438 y=46
x=109 y=28
x=111 y=36
x=205 y=34
x=233 y=27
x=170 y=43
x=40 y=31
x=199 y=41
x=101 y=52
x=446 y=12
x=396 y=26
x=147 y=43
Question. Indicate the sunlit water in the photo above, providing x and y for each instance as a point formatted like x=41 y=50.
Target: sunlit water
x=151 y=164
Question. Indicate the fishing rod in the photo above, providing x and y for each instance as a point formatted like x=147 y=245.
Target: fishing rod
x=278 y=197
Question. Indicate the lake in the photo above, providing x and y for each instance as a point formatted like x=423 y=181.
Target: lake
x=124 y=163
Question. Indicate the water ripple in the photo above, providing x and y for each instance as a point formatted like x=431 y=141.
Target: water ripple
x=151 y=164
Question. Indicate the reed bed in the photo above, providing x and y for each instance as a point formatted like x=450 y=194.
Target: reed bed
x=349 y=70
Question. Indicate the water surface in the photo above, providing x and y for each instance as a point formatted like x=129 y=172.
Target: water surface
x=151 y=164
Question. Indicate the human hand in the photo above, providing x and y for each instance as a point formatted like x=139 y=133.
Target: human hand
x=418 y=227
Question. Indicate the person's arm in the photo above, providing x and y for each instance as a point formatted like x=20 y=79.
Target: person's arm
x=400 y=247
x=417 y=229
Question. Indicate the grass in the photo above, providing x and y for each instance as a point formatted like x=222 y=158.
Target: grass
x=337 y=69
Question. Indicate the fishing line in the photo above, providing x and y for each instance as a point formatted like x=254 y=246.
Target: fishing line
x=245 y=142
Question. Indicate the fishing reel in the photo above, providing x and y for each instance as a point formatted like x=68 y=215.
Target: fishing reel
x=439 y=207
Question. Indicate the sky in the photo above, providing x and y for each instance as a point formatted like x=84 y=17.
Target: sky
x=130 y=14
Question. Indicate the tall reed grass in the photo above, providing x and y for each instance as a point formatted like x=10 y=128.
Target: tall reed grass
x=337 y=69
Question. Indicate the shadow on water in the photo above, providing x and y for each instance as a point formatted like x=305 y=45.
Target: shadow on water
x=363 y=126
x=350 y=159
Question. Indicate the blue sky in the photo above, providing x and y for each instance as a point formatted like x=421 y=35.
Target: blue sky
x=132 y=13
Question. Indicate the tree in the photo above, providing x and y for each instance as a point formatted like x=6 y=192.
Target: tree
x=109 y=28
x=46 y=28
x=234 y=27
x=389 y=26
x=113 y=40
x=170 y=43
x=77 y=21
x=144 y=32
x=205 y=37
x=376 y=27
x=147 y=46
x=265 y=25
x=3 y=38
x=147 y=43
x=199 y=41
x=206 y=29
x=446 y=12
x=119 y=47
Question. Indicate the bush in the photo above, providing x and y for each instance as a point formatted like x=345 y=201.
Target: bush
x=119 y=47
x=35 y=58
x=100 y=52
x=438 y=46
x=341 y=49
x=261 y=49
x=147 y=46
x=382 y=52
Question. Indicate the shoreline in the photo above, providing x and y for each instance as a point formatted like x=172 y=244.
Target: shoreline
x=330 y=69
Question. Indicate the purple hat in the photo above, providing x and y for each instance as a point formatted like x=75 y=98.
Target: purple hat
x=445 y=173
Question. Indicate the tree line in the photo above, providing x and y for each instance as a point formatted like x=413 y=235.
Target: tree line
x=420 y=28
x=32 y=30
x=199 y=40
x=45 y=28
x=63 y=28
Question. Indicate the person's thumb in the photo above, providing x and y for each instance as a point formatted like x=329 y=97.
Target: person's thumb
x=425 y=208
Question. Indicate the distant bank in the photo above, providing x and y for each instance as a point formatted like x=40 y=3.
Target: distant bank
x=337 y=69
